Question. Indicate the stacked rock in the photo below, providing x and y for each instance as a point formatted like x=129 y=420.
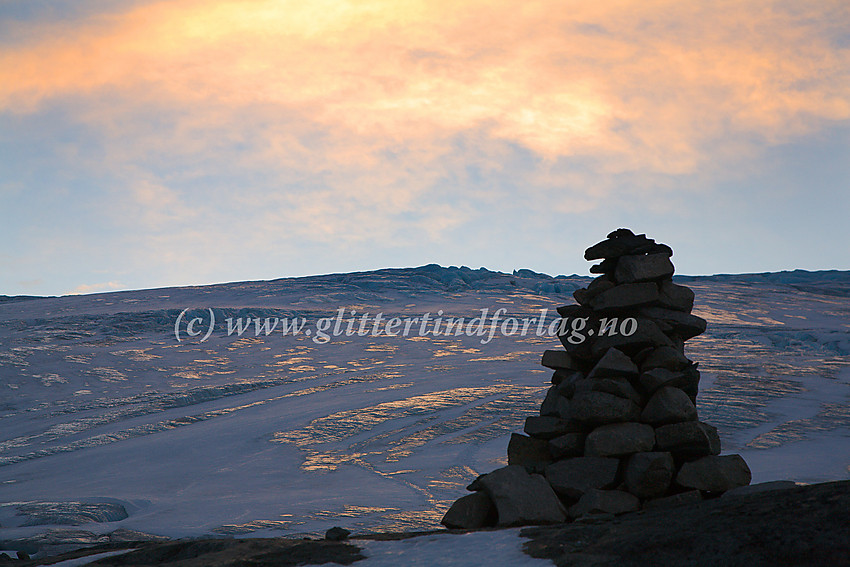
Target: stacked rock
x=618 y=429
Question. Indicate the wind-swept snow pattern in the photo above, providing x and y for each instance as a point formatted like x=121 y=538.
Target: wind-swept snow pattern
x=281 y=434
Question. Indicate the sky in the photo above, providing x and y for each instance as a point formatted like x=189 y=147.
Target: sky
x=149 y=144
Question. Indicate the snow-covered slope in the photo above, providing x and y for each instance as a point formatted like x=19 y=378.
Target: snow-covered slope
x=284 y=434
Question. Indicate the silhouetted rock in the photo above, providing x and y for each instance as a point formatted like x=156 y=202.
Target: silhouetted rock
x=647 y=335
x=596 y=408
x=715 y=473
x=668 y=405
x=549 y=427
x=337 y=533
x=521 y=498
x=619 y=387
x=652 y=380
x=649 y=474
x=677 y=297
x=688 y=440
x=567 y=445
x=682 y=324
x=571 y=478
x=596 y=501
x=666 y=357
x=472 y=511
x=625 y=296
x=528 y=451
x=642 y=268
x=613 y=364
x=619 y=439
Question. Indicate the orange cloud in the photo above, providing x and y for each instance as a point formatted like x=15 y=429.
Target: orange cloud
x=654 y=86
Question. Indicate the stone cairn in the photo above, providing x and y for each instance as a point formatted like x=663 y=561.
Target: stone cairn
x=618 y=430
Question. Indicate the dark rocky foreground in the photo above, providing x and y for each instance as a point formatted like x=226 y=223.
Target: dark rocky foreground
x=803 y=525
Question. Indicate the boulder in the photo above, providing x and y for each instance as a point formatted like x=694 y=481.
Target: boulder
x=688 y=440
x=652 y=380
x=649 y=474
x=682 y=324
x=605 y=267
x=571 y=478
x=647 y=335
x=668 y=405
x=558 y=359
x=521 y=498
x=619 y=387
x=469 y=512
x=625 y=296
x=550 y=402
x=337 y=533
x=567 y=445
x=714 y=473
x=528 y=451
x=563 y=375
x=593 y=407
x=597 y=286
x=614 y=364
x=596 y=501
x=676 y=297
x=666 y=357
x=549 y=427
x=643 y=268
x=619 y=439
x=691 y=384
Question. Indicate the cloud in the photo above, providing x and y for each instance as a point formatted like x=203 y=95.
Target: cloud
x=97 y=287
x=29 y=283
x=200 y=136
x=641 y=85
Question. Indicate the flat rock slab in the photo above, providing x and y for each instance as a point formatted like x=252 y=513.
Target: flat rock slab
x=760 y=487
x=228 y=552
x=521 y=498
x=680 y=499
x=802 y=526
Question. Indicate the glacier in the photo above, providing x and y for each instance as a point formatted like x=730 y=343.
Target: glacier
x=278 y=435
